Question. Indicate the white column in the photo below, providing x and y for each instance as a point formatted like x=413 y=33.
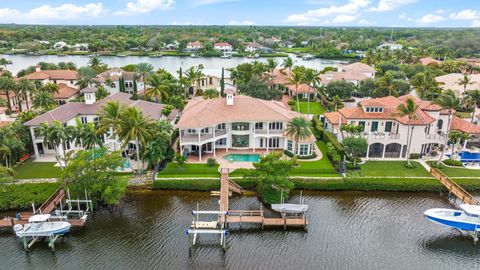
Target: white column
x=213 y=146
x=368 y=150
x=200 y=152
x=199 y=137
x=35 y=148
x=384 y=148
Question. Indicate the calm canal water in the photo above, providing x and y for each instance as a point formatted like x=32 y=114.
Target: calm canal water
x=348 y=230
x=212 y=65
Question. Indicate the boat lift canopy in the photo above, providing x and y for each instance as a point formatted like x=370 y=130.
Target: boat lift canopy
x=39 y=218
x=471 y=209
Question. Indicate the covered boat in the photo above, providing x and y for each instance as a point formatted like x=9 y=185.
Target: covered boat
x=466 y=219
x=41 y=226
x=290 y=208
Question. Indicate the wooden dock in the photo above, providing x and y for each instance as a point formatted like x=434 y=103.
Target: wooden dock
x=454 y=188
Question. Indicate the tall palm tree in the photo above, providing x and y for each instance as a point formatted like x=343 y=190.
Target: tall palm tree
x=288 y=63
x=271 y=65
x=26 y=88
x=7 y=85
x=449 y=102
x=56 y=134
x=465 y=81
x=387 y=82
x=409 y=109
x=298 y=129
x=63 y=134
x=88 y=136
x=143 y=70
x=160 y=87
x=96 y=64
x=423 y=84
x=43 y=100
x=472 y=98
x=296 y=79
x=51 y=88
x=85 y=77
x=4 y=62
x=111 y=119
x=336 y=100
x=135 y=127
x=312 y=78
x=194 y=74
x=454 y=136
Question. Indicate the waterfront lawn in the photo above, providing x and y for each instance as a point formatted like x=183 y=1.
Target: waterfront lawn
x=15 y=197
x=458 y=172
x=392 y=168
x=318 y=168
x=315 y=107
x=190 y=170
x=31 y=169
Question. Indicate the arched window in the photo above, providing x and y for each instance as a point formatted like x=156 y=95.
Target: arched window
x=439 y=124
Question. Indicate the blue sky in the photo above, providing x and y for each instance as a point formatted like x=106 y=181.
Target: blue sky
x=400 y=13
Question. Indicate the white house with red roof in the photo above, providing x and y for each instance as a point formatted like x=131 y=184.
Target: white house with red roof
x=253 y=46
x=56 y=76
x=354 y=73
x=386 y=131
x=194 y=46
x=223 y=47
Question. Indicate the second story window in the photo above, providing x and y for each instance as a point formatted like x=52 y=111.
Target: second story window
x=221 y=126
x=374 y=126
x=276 y=126
x=204 y=130
x=388 y=126
x=191 y=131
x=240 y=126
x=83 y=119
x=259 y=125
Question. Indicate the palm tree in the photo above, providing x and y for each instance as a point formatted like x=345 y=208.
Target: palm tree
x=449 y=102
x=408 y=109
x=271 y=65
x=311 y=77
x=56 y=134
x=5 y=153
x=298 y=129
x=43 y=100
x=85 y=77
x=110 y=119
x=194 y=74
x=51 y=88
x=4 y=62
x=423 y=84
x=96 y=64
x=143 y=70
x=387 y=82
x=296 y=78
x=89 y=136
x=454 y=136
x=472 y=98
x=465 y=81
x=160 y=87
x=7 y=85
x=26 y=88
x=135 y=127
x=336 y=100
x=288 y=63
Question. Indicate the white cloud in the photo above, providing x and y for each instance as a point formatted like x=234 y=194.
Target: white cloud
x=342 y=18
x=386 y=5
x=431 y=18
x=245 y=22
x=47 y=13
x=475 y=23
x=197 y=3
x=466 y=14
x=351 y=8
x=364 y=22
x=145 y=6
x=440 y=11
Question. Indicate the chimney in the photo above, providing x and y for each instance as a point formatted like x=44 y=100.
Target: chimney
x=230 y=94
x=37 y=68
x=329 y=75
x=90 y=98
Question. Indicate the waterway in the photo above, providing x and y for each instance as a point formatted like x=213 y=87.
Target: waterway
x=348 y=230
x=212 y=65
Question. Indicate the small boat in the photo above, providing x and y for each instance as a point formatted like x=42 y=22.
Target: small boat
x=466 y=219
x=193 y=55
x=42 y=226
x=226 y=55
x=121 y=55
x=290 y=208
x=307 y=57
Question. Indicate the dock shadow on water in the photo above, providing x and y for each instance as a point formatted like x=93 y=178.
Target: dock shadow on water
x=347 y=230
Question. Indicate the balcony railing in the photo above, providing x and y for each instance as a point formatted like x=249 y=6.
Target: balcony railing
x=193 y=137
x=271 y=131
x=435 y=136
x=379 y=135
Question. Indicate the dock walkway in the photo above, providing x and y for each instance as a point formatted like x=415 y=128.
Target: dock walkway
x=454 y=188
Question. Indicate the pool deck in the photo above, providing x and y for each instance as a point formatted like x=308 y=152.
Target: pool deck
x=221 y=153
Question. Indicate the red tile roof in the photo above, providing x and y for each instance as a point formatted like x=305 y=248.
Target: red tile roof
x=464 y=126
x=57 y=74
x=334 y=117
x=222 y=44
x=302 y=88
x=429 y=60
x=65 y=92
x=194 y=44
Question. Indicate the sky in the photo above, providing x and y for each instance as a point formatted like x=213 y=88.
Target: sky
x=390 y=13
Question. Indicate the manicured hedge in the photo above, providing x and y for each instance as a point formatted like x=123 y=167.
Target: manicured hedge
x=199 y=184
x=326 y=136
x=17 y=197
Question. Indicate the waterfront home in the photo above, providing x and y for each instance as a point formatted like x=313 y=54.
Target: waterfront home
x=390 y=46
x=13 y=100
x=194 y=46
x=112 y=78
x=88 y=112
x=60 y=45
x=354 y=73
x=223 y=47
x=237 y=123
x=358 y=68
x=451 y=81
x=386 y=131
x=65 y=94
x=429 y=61
x=253 y=46
x=280 y=78
x=57 y=76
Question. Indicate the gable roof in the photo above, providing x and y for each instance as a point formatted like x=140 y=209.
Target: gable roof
x=65 y=91
x=194 y=44
x=280 y=75
x=55 y=74
x=429 y=60
x=342 y=75
x=200 y=113
x=222 y=44
x=73 y=109
x=302 y=88
x=464 y=126
x=114 y=74
x=358 y=67
x=450 y=81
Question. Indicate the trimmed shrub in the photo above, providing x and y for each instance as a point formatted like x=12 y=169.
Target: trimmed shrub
x=410 y=166
x=291 y=102
x=17 y=197
x=414 y=156
x=451 y=162
x=211 y=162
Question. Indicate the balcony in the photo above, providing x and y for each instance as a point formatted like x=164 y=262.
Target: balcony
x=435 y=136
x=193 y=137
x=381 y=136
x=269 y=132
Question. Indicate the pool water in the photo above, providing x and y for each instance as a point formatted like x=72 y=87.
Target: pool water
x=468 y=156
x=242 y=157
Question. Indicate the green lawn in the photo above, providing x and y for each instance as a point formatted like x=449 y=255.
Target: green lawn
x=392 y=168
x=459 y=172
x=189 y=170
x=322 y=167
x=315 y=107
x=31 y=169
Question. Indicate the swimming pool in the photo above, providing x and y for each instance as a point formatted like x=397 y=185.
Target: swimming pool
x=469 y=157
x=242 y=157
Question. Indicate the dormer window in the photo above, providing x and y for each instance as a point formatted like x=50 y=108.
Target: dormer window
x=374 y=109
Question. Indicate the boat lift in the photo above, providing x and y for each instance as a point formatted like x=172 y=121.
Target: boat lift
x=76 y=211
x=208 y=227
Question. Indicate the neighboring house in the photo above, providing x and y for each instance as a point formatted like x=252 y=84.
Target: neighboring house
x=57 y=76
x=172 y=46
x=14 y=101
x=475 y=62
x=237 y=123
x=280 y=78
x=354 y=73
x=223 y=47
x=390 y=46
x=88 y=112
x=65 y=94
x=253 y=46
x=450 y=81
x=4 y=119
x=112 y=78
x=80 y=47
x=429 y=60
x=386 y=131
x=358 y=67
x=194 y=46
x=60 y=45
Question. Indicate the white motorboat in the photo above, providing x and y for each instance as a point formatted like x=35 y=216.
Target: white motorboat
x=42 y=226
x=308 y=57
x=290 y=208
x=466 y=219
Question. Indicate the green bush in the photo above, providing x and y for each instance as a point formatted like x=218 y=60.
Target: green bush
x=410 y=166
x=451 y=162
x=17 y=197
x=290 y=154
x=437 y=166
x=291 y=102
x=350 y=166
x=414 y=156
x=211 y=162
x=327 y=137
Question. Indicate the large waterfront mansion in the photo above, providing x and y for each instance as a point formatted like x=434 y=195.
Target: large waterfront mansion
x=386 y=130
x=237 y=123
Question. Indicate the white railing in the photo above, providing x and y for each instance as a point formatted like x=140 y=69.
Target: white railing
x=379 y=135
x=193 y=137
x=435 y=136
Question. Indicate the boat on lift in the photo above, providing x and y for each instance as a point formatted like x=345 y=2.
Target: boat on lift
x=465 y=219
x=42 y=226
x=290 y=208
